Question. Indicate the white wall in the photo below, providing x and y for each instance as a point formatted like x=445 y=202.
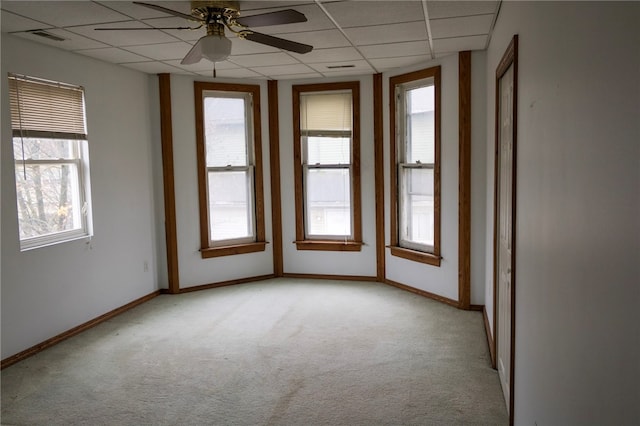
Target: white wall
x=194 y=270
x=441 y=280
x=362 y=263
x=49 y=290
x=578 y=209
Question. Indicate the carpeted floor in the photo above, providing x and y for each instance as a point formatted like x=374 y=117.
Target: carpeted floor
x=277 y=352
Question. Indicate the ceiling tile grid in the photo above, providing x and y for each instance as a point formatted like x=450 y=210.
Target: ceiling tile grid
x=349 y=37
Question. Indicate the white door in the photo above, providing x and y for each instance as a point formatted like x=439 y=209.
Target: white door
x=504 y=229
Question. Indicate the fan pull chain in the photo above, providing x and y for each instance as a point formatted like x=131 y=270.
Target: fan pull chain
x=214 y=70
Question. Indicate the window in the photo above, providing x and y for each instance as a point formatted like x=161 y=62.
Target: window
x=327 y=166
x=229 y=169
x=415 y=158
x=51 y=161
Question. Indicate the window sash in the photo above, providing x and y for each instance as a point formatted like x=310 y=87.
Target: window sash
x=414 y=207
x=413 y=213
x=220 y=221
x=328 y=209
x=78 y=201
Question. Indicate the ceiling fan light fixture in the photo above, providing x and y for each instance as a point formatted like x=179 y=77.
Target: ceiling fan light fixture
x=215 y=48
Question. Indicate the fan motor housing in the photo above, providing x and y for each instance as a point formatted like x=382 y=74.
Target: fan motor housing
x=216 y=4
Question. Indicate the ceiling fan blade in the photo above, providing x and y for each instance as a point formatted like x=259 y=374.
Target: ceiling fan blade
x=280 y=43
x=147 y=28
x=168 y=11
x=195 y=54
x=288 y=16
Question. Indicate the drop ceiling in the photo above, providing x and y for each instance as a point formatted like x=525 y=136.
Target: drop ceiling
x=349 y=37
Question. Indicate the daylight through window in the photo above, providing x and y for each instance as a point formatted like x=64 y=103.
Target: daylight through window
x=415 y=147
x=227 y=134
x=327 y=174
x=51 y=161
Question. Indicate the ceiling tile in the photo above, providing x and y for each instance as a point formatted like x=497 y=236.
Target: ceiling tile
x=203 y=66
x=459 y=27
x=299 y=76
x=163 y=51
x=449 y=9
x=71 y=41
x=124 y=37
x=141 y=12
x=283 y=69
x=64 y=13
x=175 y=22
x=11 y=22
x=360 y=66
x=246 y=47
x=338 y=54
x=380 y=34
x=258 y=6
x=236 y=73
x=459 y=44
x=113 y=54
x=154 y=67
x=374 y=12
x=392 y=50
x=384 y=64
x=321 y=39
x=265 y=59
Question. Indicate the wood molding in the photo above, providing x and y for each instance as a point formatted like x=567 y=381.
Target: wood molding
x=378 y=141
x=356 y=200
x=229 y=250
x=490 y=341
x=226 y=283
x=331 y=277
x=415 y=255
x=200 y=87
x=393 y=82
x=464 y=180
x=74 y=331
x=328 y=245
x=170 y=222
x=424 y=293
x=274 y=162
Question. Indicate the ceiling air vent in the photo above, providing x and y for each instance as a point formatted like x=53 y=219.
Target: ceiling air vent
x=340 y=66
x=43 y=33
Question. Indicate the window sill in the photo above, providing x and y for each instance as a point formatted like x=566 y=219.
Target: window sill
x=209 y=252
x=416 y=256
x=328 y=245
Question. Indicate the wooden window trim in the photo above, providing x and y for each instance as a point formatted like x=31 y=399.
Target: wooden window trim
x=301 y=242
x=206 y=250
x=411 y=254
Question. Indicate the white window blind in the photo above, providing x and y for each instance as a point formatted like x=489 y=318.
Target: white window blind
x=326 y=111
x=40 y=108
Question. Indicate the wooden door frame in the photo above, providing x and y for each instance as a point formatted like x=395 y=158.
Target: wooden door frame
x=509 y=58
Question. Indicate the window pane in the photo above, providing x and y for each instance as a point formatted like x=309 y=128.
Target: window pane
x=328 y=150
x=417 y=207
x=420 y=128
x=44 y=149
x=230 y=209
x=328 y=202
x=225 y=132
x=48 y=198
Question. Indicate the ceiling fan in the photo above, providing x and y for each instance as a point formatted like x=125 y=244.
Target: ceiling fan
x=215 y=16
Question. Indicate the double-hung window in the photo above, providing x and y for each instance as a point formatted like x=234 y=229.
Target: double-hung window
x=327 y=166
x=51 y=161
x=230 y=168
x=415 y=186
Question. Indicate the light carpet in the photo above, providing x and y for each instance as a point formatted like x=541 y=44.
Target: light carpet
x=276 y=352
